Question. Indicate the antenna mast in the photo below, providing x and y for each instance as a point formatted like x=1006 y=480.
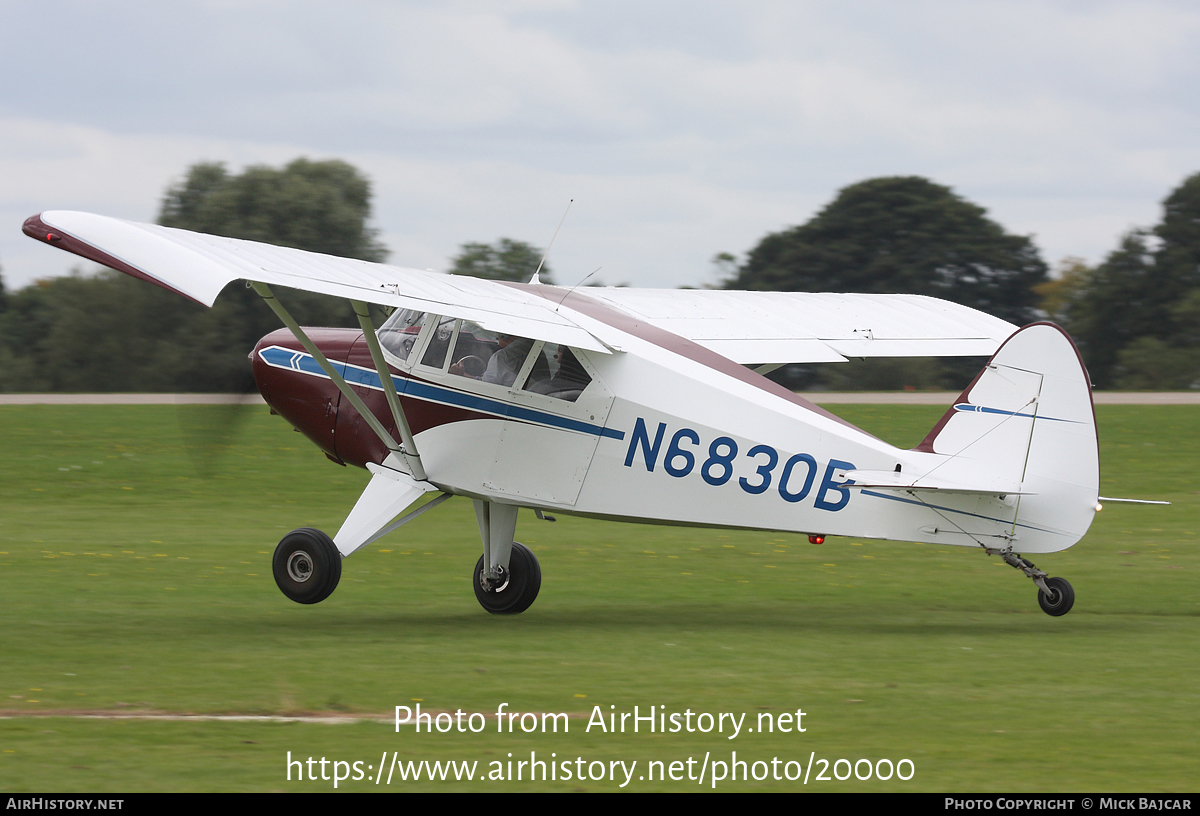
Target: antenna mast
x=535 y=278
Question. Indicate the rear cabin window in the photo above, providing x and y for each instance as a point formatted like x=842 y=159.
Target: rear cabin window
x=564 y=378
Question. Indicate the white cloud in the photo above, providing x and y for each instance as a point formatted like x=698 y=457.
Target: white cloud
x=682 y=129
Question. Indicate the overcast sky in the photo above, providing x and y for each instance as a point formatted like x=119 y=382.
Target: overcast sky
x=681 y=129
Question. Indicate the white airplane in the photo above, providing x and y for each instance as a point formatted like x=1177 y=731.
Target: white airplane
x=636 y=405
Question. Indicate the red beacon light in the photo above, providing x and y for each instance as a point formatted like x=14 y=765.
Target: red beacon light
x=816 y=539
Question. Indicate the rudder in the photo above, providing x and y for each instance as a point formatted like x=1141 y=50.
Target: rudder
x=1027 y=420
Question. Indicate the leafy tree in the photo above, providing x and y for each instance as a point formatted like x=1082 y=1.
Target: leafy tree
x=505 y=260
x=1056 y=296
x=316 y=206
x=26 y=319
x=320 y=206
x=1135 y=318
x=1113 y=309
x=109 y=332
x=1150 y=364
x=902 y=235
x=726 y=266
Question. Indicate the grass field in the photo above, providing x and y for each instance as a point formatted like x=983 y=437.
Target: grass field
x=136 y=579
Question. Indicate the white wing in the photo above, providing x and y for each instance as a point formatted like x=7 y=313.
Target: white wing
x=746 y=327
x=199 y=266
x=795 y=327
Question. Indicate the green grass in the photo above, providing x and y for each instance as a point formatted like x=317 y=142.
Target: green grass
x=135 y=577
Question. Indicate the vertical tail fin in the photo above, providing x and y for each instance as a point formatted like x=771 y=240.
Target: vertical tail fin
x=1028 y=420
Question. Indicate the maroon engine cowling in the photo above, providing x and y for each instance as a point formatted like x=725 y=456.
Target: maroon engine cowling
x=315 y=407
x=312 y=403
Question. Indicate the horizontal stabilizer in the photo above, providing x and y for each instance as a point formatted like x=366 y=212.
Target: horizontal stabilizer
x=887 y=480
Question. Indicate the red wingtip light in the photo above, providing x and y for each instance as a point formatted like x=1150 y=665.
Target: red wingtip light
x=50 y=236
x=816 y=539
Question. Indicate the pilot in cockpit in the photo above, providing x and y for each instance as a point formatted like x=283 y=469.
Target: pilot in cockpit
x=505 y=363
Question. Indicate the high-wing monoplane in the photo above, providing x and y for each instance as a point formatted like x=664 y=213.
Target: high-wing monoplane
x=635 y=405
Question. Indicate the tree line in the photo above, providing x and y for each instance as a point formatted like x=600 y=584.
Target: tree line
x=1135 y=315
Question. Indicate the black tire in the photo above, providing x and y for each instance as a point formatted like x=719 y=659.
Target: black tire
x=1061 y=599
x=307 y=566
x=520 y=590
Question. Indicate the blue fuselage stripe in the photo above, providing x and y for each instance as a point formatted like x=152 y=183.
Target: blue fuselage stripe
x=366 y=378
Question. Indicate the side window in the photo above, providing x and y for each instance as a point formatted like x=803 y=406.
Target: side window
x=473 y=349
x=499 y=359
x=439 y=343
x=399 y=334
x=513 y=359
x=564 y=378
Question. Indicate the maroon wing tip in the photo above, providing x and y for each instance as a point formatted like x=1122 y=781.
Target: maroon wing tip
x=36 y=228
x=39 y=230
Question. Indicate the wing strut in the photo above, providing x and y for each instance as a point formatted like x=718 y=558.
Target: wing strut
x=265 y=292
x=412 y=456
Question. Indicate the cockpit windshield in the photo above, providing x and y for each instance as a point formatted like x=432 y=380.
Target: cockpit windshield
x=399 y=334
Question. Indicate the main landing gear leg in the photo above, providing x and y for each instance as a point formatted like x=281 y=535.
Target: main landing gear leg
x=507 y=577
x=1055 y=595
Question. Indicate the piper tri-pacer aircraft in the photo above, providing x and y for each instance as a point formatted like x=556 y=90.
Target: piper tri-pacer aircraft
x=636 y=405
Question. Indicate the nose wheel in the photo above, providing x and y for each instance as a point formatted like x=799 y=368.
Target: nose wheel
x=307 y=566
x=509 y=591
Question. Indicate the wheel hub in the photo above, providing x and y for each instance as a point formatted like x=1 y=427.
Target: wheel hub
x=299 y=567
x=496 y=582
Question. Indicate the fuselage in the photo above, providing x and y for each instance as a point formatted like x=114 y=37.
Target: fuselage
x=657 y=436
x=665 y=432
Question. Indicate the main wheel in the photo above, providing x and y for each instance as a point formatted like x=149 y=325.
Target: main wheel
x=1061 y=597
x=518 y=587
x=307 y=565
